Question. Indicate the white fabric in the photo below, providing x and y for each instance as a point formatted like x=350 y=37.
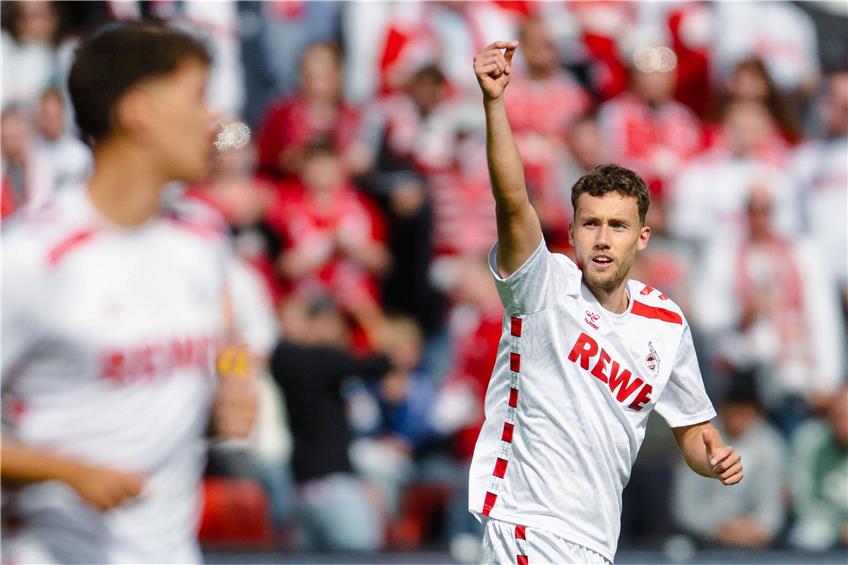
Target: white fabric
x=70 y=160
x=575 y=436
x=819 y=170
x=500 y=545
x=108 y=349
x=709 y=198
x=781 y=34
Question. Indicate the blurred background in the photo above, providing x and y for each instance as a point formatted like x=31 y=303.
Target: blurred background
x=361 y=216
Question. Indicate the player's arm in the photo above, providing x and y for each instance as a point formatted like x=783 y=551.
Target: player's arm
x=706 y=454
x=519 y=230
x=101 y=488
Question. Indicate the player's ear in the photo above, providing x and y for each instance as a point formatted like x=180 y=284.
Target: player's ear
x=571 y=233
x=130 y=113
x=644 y=236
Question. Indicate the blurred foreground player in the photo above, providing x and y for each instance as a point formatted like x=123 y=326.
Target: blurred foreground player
x=113 y=308
x=585 y=356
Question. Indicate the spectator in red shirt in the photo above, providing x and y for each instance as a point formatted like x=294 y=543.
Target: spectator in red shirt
x=314 y=114
x=646 y=130
x=332 y=236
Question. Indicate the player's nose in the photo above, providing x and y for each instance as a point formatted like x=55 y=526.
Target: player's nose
x=602 y=237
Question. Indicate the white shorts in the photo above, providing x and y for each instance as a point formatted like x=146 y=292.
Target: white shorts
x=512 y=544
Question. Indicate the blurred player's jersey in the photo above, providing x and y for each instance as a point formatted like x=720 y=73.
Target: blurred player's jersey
x=108 y=346
x=569 y=399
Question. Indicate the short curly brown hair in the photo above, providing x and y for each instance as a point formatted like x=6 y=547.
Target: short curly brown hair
x=613 y=178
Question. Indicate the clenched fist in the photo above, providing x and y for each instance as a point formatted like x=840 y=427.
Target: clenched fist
x=492 y=67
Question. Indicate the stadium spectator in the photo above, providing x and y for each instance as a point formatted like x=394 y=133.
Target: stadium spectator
x=32 y=52
x=26 y=174
x=707 y=201
x=70 y=159
x=750 y=80
x=765 y=300
x=585 y=151
x=544 y=103
x=314 y=114
x=779 y=33
x=243 y=198
x=752 y=514
x=273 y=38
x=820 y=173
x=310 y=366
x=819 y=479
x=644 y=128
x=408 y=138
x=332 y=237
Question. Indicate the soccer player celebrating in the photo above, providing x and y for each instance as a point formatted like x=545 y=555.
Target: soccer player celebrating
x=113 y=309
x=585 y=356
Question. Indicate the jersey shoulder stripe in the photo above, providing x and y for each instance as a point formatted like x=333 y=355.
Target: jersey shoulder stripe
x=68 y=243
x=644 y=310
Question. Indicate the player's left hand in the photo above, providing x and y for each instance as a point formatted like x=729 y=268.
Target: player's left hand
x=725 y=462
x=236 y=402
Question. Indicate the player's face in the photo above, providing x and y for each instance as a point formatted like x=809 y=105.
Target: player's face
x=180 y=126
x=606 y=234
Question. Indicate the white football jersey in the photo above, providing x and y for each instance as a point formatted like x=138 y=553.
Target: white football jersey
x=108 y=345
x=569 y=399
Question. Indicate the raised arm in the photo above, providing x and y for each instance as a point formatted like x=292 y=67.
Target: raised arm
x=519 y=230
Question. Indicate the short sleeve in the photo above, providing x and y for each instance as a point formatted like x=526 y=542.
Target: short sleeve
x=684 y=401
x=540 y=282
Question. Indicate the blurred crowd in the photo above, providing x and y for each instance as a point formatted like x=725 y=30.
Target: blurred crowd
x=361 y=216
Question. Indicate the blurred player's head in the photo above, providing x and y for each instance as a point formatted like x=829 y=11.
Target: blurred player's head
x=141 y=86
x=538 y=48
x=51 y=115
x=610 y=205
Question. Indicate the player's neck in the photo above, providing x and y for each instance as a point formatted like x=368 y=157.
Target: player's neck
x=616 y=301
x=124 y=188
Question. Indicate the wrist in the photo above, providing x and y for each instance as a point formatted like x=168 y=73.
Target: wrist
x=493 y=103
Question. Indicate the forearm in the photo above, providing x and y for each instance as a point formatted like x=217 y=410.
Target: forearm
x=519 y=229
x=24 y=465
x=505 y=167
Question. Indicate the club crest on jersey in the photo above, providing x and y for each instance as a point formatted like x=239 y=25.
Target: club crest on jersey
x=592 y=319
x=652 y=361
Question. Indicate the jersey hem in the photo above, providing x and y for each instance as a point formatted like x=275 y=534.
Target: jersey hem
x=530 y=522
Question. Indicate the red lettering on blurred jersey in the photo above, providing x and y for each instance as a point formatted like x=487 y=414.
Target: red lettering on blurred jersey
x=152 y=361
x=617 y=377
